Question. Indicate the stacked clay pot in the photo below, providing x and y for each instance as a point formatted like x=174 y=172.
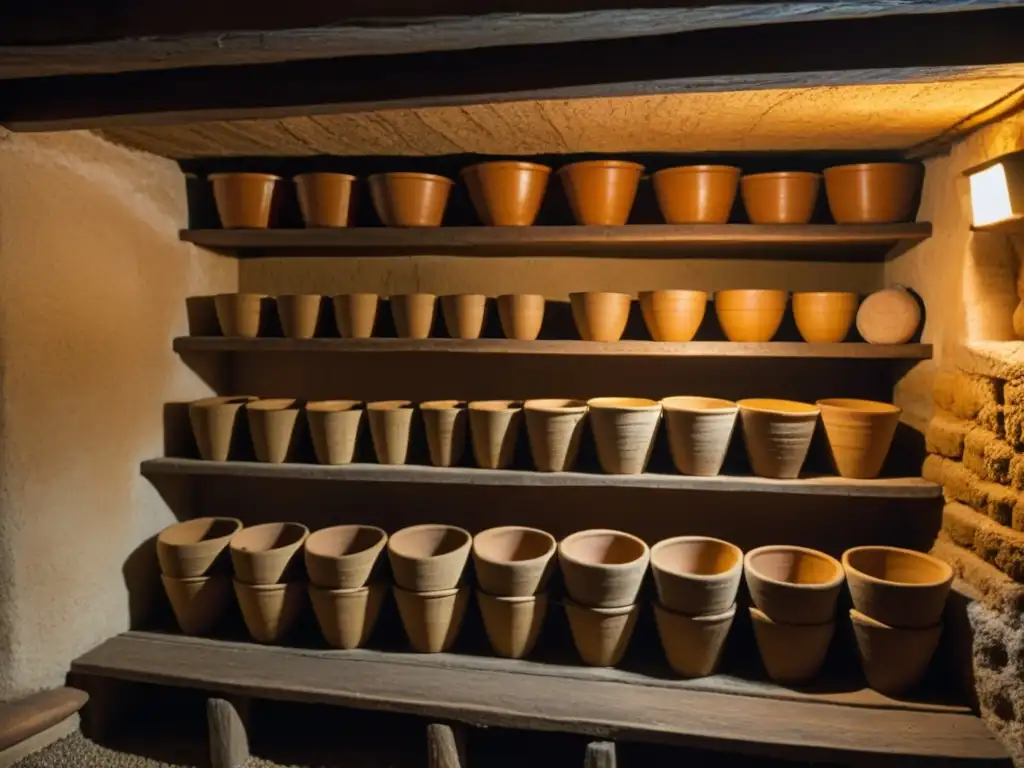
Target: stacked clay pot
x=512 y=568
x=899 y=597
x=195 y=572
x=269 y=583
x=697 y=579
x=777 y=435
x=427 y=562
x=603 y=571
x=794 y=592
x=341 y=563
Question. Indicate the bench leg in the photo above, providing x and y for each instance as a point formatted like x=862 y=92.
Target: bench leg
x=600 y=754
x=228 y=728
x=446 y=746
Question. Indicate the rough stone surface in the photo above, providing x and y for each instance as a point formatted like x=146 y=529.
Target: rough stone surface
x=987 y=456
x=957 y=481
x=997 y=589
x=998 y=671
x=1000 y=501
x=1013 y=417
x=996 y=544
x=964 y=394
x=945 y=435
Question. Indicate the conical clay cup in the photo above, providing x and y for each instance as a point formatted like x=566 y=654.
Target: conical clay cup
x=335 y=426
x=696 y=194
x=693 y=644
x=894 y=660
x=325 y=199
x=347 y=616
x=521 y=315
x=673 y=315
x=601 y=192
x=601 y=635
x=750 y=315
x=272 y=424
x=793 y=654
x=506 y=193
x=410 y=199
x=699 y=432
x=464 y=314
x=429 y=558
x=513 y=561
x=299 y=314
x=244 y=200
x=213 y=422
x=494 y=429
x=270 y=610
x=600 y=316
x=343 y=556
x=793 y=585
x=413 y=314
x=445 y=422
x=696 y=575
x=390 y=429
x=603 y=568
x=898 y=587
x=824 y=317
x=784 y=197
x=624 y=429
x=554 y=428
x=263 y=554
x=355 y=314
x=859 y=434
x=239 y=314
x=777 y=435
x=432 y=620
x=513 y=624
x=198 y=603
x=196 y=547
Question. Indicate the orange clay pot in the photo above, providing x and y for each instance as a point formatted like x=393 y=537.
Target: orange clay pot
x=600 y=316
x=824 y=317
x=787 y=197
x=244 y=199
x=750 y=315
x=355 y=314
x=506 y=193
x=696 y=194
x=673 y=315
x=601 y=192
x=325 y=199
x=521 y=315
x=859 y=434
x=410 y=199
x=872 y=193
x=777 y=435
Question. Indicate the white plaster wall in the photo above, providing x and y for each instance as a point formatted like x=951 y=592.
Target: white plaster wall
x=93 y=282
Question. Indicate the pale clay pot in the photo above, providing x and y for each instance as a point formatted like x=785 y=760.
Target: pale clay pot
x=335 y=427
x=513 y=561
x=413 y=314
x=601 y=635
x=270 y=610
x=699 y=432
x=199 y=603
x=343 y=556
x=513 y=624
x=777 y=435
x=299 y=314
x=673 y=315
x=696 y=575
x=901 y=588
x=793 y=585
x=197 y=547
x=603 y=568
x=600 y=316
x=347 y=616
x=494 y=429
x=693 y=645
x=793 y=654
x=521 y=315
x=859 y=433
x=429 y=558
x=263 y=554
x=554 y=428
x=894 y=660
x=355 y=314
x=272 y=424
x=239 y=314
x=624 y=430
x=213 y=421
x=432 y=620
x=390 y=429
x=445 y=425
x=464 y=314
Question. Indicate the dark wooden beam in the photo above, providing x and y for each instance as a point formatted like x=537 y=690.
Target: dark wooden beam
x=877 y=50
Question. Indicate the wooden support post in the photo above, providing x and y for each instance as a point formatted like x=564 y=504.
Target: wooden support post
x=446 y=746
x=110 y=701
x=600 y=754
x=228 y=723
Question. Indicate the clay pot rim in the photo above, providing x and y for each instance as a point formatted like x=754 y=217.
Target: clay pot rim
x=782 y=175
x=858 y=405
x=407 y=295
x=427 y=526
x=869 y=166
x=389 y=405
x=435 y=594
x=866 y=621
x=548 y=554
x=279 y=586
x=239 y=525
x=274 y=404
x=751 y=404
x=304 y=531
x=192 y=579
x=298 y=296
x=946 y=568
x=680 y=293
x=524 y=295
x=688 y=404
x=462 y=295
x=243 y=175
x=335 y=406
x=618 y=611
x=731 y=170
x=409 y=175
x=707 y=618
x=823 y=587
x=314 y=174
x=623 y=404
x=548 y=405
x=760 y=617
x=624 y=164
x=345 y=592
x=825 y=293
x=766 y=292
x=237 y=294
x=645 y=555
x=495 y=406
x=584 y=294
x=378 y=544
x=521 y=165
x=443 y=405
x=481 y=595
x=665 y=543
x=209 y=402
x=334 y=296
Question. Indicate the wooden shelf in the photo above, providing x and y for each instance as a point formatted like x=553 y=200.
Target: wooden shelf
x=891 y=488
x=847 y=724
x=809 y=242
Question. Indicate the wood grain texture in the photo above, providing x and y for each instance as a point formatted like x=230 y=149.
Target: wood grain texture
x=229 y=738
x=23 y=718
x=600 y=754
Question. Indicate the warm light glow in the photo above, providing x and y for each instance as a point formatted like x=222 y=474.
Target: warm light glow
x=990 y=196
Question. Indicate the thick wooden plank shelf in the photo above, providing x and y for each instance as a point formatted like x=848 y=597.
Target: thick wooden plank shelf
x=893 y=488
x=811 y=242
x=720 y=712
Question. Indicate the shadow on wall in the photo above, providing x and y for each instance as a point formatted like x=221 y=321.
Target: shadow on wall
x=990 y=287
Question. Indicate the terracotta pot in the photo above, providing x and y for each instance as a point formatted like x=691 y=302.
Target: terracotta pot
x=601 y=192
x=238 y=314
x=355 y=314
x=390 y=428
x=343 y=556
x=513 y=624
x=889 y=316
x=506 y=193
x=494 y=429
x=793 y=585
x=693 y=644
x=413 y=314
x=335 y=426
x=299 y=314
x=603 y=568
x=199 y=603
x=244 y=199
x=193 y=548
x=673 y=315
x=601 y=635
x=513 y=561
x=750 y=315
x=624 y=429
x=894 y=660
x=445 y=422
x=777 y=435
x=793 y=654
x=824 y=317
x=270 y=610
x=264 y=554
x=898 y=587
x=600 y=316
x=325 y=199
x=410 y=199
x=554 y=428
x=859 y=434
x=696 y=194
x=272 y=425
x=464 y=315
x=429 y=558
x=787 y=197
x=696 y=575
x=213 y=422
x=432 y=620
x=872 y=193
x=347 y=616
x=521 y=315
x=699 y=431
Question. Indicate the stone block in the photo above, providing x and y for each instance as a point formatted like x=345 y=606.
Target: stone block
x=998 y=661
x=965 y=394
x=987 y=456
x=997 y=589
x=945 y=435
x=994 y=543
x=1000 y=501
